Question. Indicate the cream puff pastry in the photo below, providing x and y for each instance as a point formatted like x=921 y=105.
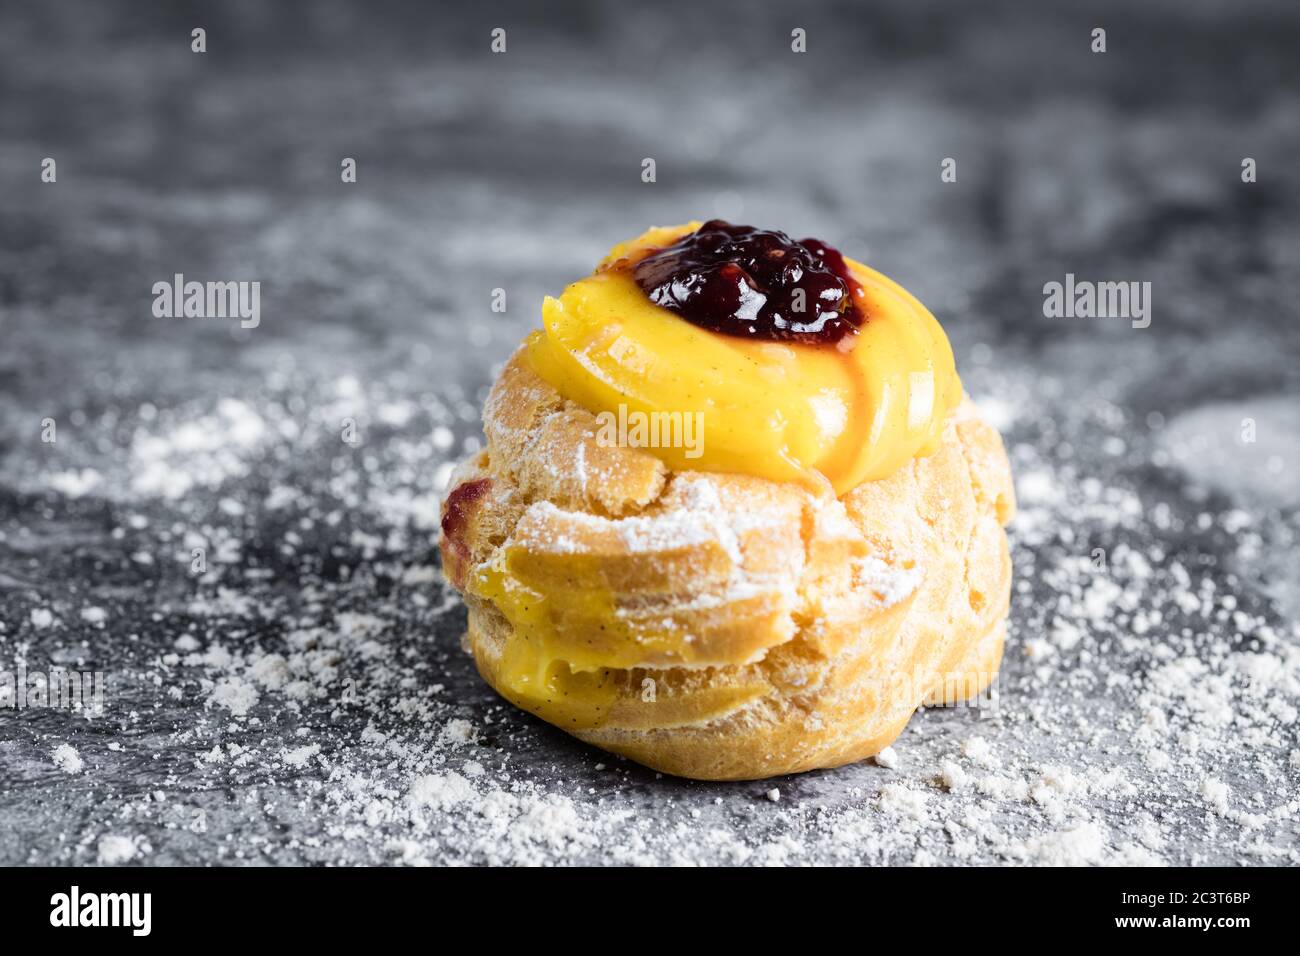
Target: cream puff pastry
x=780 y=595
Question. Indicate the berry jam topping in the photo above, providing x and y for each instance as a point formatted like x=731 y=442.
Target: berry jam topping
x=753 y=283
x=456 y=513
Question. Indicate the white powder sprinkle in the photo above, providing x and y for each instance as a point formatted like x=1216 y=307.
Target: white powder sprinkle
x=1216 y=794
x=67 y=759
x=234 y=694
x=114 y=849
x=94 y=615
x=1146 y=695
x=300 y=756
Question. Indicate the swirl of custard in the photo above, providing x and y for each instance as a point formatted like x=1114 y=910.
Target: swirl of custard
x=805 y=405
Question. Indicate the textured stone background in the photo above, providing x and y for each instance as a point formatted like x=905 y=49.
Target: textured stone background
x=362 y=733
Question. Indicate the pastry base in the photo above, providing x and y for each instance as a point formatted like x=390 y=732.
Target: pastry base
x=803 y=630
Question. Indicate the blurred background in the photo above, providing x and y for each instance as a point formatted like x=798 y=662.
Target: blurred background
x=479 y=171
x=517 y=170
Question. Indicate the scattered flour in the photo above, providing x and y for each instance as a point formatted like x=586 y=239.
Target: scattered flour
x=234 y=694
x=67 y=759
x=300 y=756
x=94 y=615
x=1147 y=711
x=114 y=850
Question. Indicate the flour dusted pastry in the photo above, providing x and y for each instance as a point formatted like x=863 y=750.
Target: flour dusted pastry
x=779 y=595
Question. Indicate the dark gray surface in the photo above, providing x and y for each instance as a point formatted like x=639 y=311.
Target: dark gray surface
x=518 y=171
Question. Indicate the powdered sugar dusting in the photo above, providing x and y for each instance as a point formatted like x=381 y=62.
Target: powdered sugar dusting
x=1146 y=713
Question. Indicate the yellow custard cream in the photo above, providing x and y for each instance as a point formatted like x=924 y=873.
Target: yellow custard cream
x=787 y=411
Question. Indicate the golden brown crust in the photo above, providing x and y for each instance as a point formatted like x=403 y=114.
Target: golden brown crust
x=762 y=629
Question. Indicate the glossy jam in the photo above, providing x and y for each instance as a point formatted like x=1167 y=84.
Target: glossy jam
x=460 y=504
x=753 y=283
x=785 y=410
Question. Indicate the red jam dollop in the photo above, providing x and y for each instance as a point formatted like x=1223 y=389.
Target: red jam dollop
x=753 y=283
x=456 y=513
